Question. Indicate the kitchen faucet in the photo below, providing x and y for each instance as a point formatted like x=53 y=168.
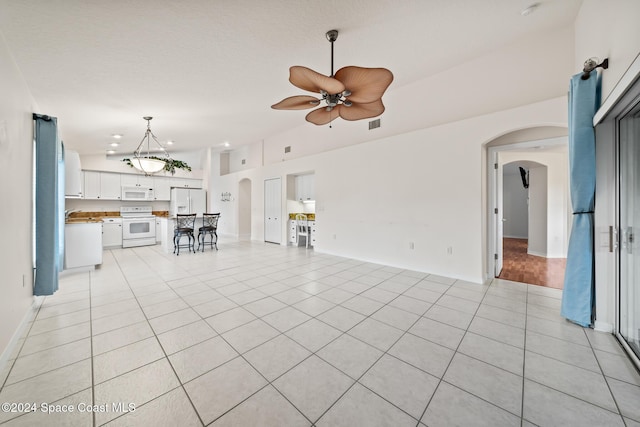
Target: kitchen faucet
x=68 y=212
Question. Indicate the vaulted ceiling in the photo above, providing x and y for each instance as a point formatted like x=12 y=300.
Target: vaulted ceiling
x=208 y=70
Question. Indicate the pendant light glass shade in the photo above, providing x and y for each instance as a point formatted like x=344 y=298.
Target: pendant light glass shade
x=147 y=165
x=143 y=161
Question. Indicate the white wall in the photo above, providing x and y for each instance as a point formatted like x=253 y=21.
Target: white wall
x=538 y=213
x=607 y=29
x=424 y=187
x=515 y=207
x=16 y=153
x=496 y=82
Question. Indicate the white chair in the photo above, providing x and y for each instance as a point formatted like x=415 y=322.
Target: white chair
x=302 y=229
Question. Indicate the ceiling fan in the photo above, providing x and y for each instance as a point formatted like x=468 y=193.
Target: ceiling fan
x=353 y=93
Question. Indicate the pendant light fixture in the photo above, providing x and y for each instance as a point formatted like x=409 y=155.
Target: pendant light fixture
x=144 y=161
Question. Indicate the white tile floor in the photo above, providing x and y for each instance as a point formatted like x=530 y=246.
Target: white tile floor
x=258 y=334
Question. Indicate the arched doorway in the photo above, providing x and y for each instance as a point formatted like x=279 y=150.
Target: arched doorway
x=538 y=217
x=244 y=209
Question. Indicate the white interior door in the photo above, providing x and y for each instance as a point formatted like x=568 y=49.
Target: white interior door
x=273 y=210
x=498 y=216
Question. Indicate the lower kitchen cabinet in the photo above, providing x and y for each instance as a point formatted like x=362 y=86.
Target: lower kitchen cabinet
x=82 y=245
x=112 y=232
x=161 y=229
x=293 y=232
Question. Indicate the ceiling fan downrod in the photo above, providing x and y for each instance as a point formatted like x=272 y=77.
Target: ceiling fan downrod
x=332 y=36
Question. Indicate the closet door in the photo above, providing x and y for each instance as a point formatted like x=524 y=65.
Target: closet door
x=272 y=210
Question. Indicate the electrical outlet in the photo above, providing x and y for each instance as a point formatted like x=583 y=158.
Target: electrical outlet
x=450 y=250
x=334 y=237
x=411 y=245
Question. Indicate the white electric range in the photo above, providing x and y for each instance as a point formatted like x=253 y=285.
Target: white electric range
x=138 y=226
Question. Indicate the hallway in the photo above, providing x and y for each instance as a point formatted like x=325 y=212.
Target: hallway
x=519 y=266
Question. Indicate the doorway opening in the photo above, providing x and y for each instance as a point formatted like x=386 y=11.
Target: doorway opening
x=529 y=211
x=525 y=186
x=244 y=209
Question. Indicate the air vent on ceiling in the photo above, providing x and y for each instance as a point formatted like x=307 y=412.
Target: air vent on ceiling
x=374 y=124
x=287 y=149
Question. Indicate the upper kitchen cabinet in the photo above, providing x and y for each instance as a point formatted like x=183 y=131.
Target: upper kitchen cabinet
x=186 y=183
x=162 y=188
x=131 y=180
x=91 y=185
x=102 y=185
x=110 y=186
x=72 y=175
x=305 y=188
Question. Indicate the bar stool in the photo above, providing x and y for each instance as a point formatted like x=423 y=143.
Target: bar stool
x=184 y=227
x=210 y=227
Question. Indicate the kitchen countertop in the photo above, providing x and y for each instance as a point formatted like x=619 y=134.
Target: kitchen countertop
x=80 y=217
x=310 y=216
x=86 y=220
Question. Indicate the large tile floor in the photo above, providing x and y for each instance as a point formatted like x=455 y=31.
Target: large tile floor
x=262 y=335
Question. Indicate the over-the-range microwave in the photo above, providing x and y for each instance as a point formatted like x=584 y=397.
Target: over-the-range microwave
x=137 y=193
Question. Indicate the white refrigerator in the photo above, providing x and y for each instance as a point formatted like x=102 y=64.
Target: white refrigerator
x=188 y=200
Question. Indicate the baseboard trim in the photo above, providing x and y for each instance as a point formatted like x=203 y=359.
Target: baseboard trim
x=603 y=327
x=19 y=332
x=540 y=254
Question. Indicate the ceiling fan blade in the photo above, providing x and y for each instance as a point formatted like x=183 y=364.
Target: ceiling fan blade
x=307 y=79
x=366 y=84
x=362 y=111
x=300 y=102
x=321 y=116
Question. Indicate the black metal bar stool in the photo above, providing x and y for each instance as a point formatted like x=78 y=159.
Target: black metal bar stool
x=209 y=227
x=185 y=224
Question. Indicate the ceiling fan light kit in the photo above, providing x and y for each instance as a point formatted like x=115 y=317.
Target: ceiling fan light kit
x=353 y=93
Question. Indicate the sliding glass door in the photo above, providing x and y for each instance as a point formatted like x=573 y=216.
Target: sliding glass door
x=629 y=222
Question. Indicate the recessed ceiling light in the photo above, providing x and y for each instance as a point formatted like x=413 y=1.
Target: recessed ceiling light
x=226 y=144
x=529 y=9
x=117 y=135
x=111 y=151
x=114 y=144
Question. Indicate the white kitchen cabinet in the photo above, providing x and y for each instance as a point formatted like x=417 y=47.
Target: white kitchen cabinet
x=162 y=188
x=312 y=225
x=72 y=175
x=82 y=245
x=186 y=183
x=102 y=185
x=132 y=180
x=91 y=185
x=112 y=232
x=293 y=232
x=110 y=186
x=305 y=188
x=161 y=224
